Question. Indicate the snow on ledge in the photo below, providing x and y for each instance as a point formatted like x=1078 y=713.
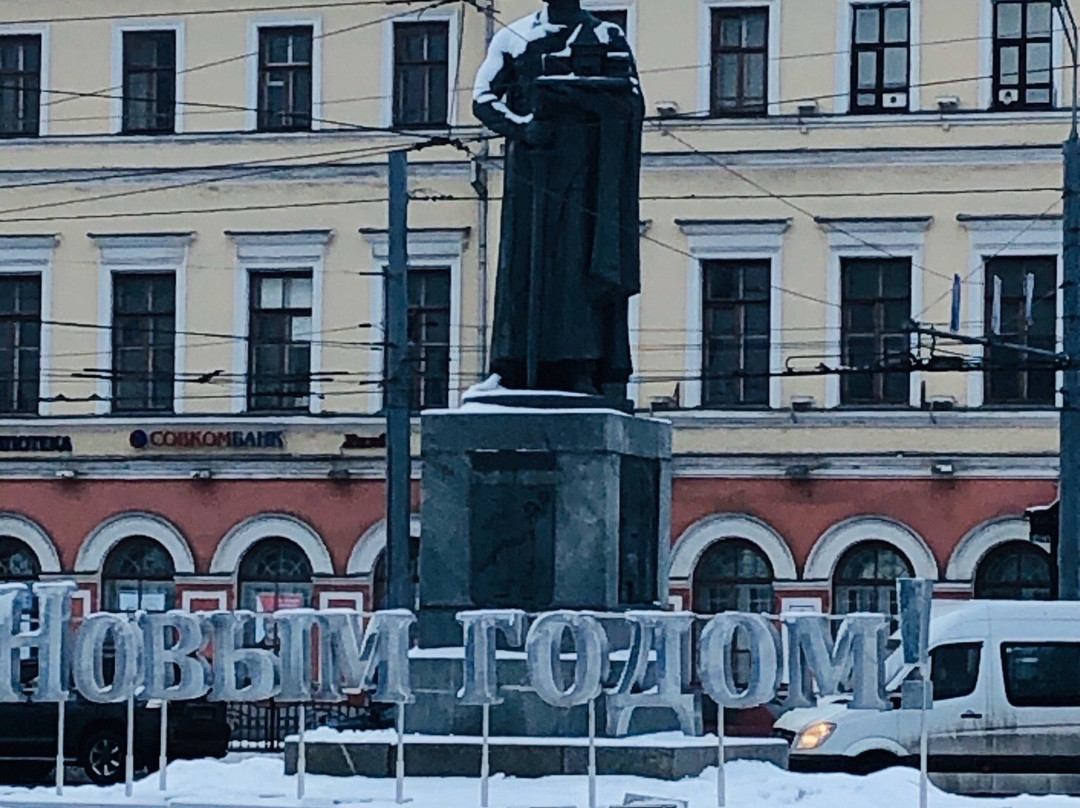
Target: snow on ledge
x=662 y=740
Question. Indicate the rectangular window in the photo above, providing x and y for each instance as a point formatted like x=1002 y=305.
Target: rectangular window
x=954 y=670
x=736 y=320
x=279 y=360
x=615 y=16
x=143 y=341
x=285 y=78
x=1042 y=675
x=421 y=73
x=429 y=337
x=875 y=308
x=1023 y=55
x=149 y=82
x=740 y=61
x=20 y=86
x=20 y=343
x=880 y=43
x=1012 y=377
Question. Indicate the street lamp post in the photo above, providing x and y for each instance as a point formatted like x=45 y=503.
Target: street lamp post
x=1068 y=549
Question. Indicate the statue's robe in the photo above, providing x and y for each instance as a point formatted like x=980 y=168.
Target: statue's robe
x=587 y=185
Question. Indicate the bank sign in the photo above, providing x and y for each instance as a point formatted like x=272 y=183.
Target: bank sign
x=206 y=439
x=326 y=655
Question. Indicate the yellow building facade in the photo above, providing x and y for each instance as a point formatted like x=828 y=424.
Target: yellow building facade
x=193 y=213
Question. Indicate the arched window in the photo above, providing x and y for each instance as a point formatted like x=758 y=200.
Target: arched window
x=865 y=578
x=17 y=561
x=275 y=574
x=1016 y=570
x=138 y=575
x=733 y=575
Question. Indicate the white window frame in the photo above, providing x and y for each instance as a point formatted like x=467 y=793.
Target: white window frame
x=254 y=26
x=1002 y=237
x=870 y=238
x=705 y=8
x=33 y=255
x=986 y=57
x=732 y=240
x=301 y=251
x=426 y=248
x=453 y=62
x=140 y=254
x=44 y=99
x=842 y=101
x=615 y=5
x=119 y=28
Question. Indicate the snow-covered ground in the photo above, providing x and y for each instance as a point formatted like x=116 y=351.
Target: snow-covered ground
x=259 y=781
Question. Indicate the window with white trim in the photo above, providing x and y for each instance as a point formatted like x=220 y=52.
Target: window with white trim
x=143 y=341
x=20 y=343
x=740 y=61
x=149 y=64
x=285 y=78
x=1023 y=55
x=279 y=360
x=421 y=73
x=880 y=57
x=875 y=308
x=20 y=85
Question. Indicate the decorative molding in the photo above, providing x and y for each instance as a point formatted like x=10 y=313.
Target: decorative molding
x=245 y=535
x=700 y=536
x=970 y=550
x=326 y=597
x=142 y=251
x=365 y=553
x=96 y=547
x=33 y=536
x=219 y=596
x=841 y=537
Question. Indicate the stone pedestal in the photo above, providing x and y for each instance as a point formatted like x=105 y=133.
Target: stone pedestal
x=541 y=510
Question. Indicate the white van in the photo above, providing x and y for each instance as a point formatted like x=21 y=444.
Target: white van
x=1006 y=715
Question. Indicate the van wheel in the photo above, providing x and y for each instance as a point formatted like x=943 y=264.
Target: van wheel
x=870 y=762
x=103 y=757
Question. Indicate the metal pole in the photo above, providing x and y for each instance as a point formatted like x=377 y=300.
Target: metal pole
x=398 y=390
x=924 y=743
x=399 y=768
x=721 y=759
x=592 y=753
x=1068 y=559
x=485 y=759
x=163 y=751
x=301 y=753
x=129 y=756
x=61 y=720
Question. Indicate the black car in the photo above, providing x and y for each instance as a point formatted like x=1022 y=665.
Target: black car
x=95 y=736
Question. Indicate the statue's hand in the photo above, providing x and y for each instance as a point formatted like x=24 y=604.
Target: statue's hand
x=539 y=133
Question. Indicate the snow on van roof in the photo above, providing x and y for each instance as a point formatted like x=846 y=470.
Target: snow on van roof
x=970 y=617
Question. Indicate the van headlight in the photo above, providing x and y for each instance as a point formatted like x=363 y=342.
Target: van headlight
x=814 y=735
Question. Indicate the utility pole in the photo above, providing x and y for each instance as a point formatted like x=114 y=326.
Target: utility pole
x=398 y=391
x=1068 y=547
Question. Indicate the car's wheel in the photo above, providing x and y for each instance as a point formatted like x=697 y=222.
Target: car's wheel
x=870 y=762
x=103 y=757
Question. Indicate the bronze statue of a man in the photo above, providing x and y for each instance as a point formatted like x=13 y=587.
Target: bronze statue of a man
x=562 y=86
